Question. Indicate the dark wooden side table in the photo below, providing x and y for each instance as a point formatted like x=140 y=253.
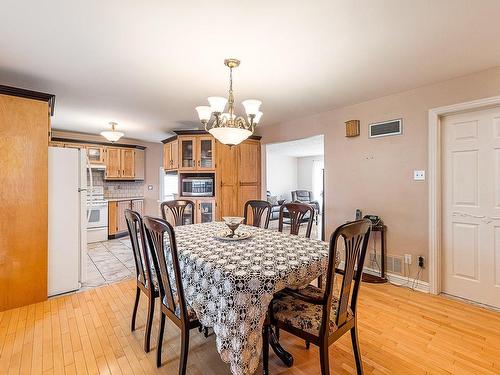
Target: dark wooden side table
x=374 y=279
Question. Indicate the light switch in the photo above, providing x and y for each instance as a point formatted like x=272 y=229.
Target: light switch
x=418 y=175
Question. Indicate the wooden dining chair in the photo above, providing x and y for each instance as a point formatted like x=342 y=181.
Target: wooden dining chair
x=259 y=208
x=145 y=276
x=297 y=214
x=178 y=209
x=161 y=240
x=317 y=315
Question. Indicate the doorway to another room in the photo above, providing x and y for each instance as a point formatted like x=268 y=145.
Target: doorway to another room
x=295 y=172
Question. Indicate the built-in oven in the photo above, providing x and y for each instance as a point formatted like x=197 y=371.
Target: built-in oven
x=197 y=187
x=98 y=215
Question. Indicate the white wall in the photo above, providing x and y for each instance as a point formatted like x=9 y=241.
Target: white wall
x=281 y=175
x=305 y=171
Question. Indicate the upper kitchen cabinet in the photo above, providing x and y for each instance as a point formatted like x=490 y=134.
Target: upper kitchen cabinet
x=188 y=154
x=193 y=151
x=24 y=130
x=95 y=154
x=171 y=155
x=205 y=151
x=123 y=163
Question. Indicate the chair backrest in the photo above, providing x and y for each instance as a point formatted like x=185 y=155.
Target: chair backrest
x=297 y=213
x=139 y=248
x=258 y=209
x=304 y=196
x=355 y=237
x=178 y=209
x=161 y=240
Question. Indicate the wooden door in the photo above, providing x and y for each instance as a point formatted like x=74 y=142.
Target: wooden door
x=24 y=202
x=248 y=173
x=167 y=158
x=226 y=189
x=128 y=163
x=121 y=223
x=174 y=154
x=471 y=206
x=205 y=210
x=187 y=153
x=138 y=206
x=113 y=162
x=205 y=151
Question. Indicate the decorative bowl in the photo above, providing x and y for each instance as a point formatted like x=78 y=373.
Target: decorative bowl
x=233 y=222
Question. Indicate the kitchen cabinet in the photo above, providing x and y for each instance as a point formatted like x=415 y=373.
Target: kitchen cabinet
x=238 y=177
x=205 y=153
x=190 y=153
x=95 y=154
x=138 y=206
x=127 y=163
x=171 y=155
x=205 y=210
x=113 y=163
x=123 y=163
x=117 y=225
x=24 y=128
x=187 y=156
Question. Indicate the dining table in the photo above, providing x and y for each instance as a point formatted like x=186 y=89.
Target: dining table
x=230 y=284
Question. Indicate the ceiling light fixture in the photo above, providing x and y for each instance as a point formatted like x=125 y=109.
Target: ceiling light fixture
x=112 y=135
x=226 y=127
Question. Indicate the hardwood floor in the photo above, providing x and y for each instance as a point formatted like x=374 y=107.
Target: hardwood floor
x=401 y=332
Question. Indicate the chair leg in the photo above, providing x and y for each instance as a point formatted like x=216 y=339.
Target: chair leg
x=160 y=339
x=184 y=351
x=324 y=360
x=355 y=348
x=265 y=349
x=134 y=312
x=149 y=323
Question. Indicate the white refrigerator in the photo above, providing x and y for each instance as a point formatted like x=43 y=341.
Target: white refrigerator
x=67 y=220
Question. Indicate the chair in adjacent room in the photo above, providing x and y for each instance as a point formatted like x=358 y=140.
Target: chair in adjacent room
x=145 y=276
x=306 y=196
x=317 y=315
x=161 y=240
x=182 y=211
x=297 y=213
x=259 y=209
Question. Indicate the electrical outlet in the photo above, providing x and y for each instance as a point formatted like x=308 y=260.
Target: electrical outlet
x=421 y=261
x=407 y=258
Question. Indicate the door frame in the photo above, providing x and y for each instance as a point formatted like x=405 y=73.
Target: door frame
x=435 y=182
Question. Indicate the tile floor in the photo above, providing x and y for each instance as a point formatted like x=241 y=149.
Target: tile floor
x=109 y=262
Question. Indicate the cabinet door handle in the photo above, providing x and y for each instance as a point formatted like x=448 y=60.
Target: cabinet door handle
x=199 y=163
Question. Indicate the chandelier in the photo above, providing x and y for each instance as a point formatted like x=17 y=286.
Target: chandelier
x=112 y=135
x=226 y=127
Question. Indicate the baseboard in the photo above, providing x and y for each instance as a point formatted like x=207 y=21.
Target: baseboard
x=421 y=286
x=402 y=281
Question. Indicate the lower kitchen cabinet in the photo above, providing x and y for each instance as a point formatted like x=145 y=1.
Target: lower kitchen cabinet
x=205 y=210
x=117 y=225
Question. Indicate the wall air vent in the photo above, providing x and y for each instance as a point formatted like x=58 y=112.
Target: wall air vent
x=385 y=129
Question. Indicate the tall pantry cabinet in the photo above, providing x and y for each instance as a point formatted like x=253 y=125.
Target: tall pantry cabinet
x=24 y=135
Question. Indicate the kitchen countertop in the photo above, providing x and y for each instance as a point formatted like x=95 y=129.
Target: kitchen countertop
x=122 y=199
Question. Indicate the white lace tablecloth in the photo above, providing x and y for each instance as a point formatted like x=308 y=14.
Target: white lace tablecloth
x=230 y=284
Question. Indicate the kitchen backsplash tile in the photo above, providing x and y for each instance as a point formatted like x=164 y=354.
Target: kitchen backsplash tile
x=117 y=189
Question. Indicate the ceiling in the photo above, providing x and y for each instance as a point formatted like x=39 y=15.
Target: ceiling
x=311 y=146
x=147 y=64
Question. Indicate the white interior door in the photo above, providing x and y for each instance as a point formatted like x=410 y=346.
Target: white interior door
x=471 y=206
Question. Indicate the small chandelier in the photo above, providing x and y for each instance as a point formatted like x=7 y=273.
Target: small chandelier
x=226 y=127
x=112 y=135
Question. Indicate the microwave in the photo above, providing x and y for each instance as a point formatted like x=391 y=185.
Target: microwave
x=197 y=187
